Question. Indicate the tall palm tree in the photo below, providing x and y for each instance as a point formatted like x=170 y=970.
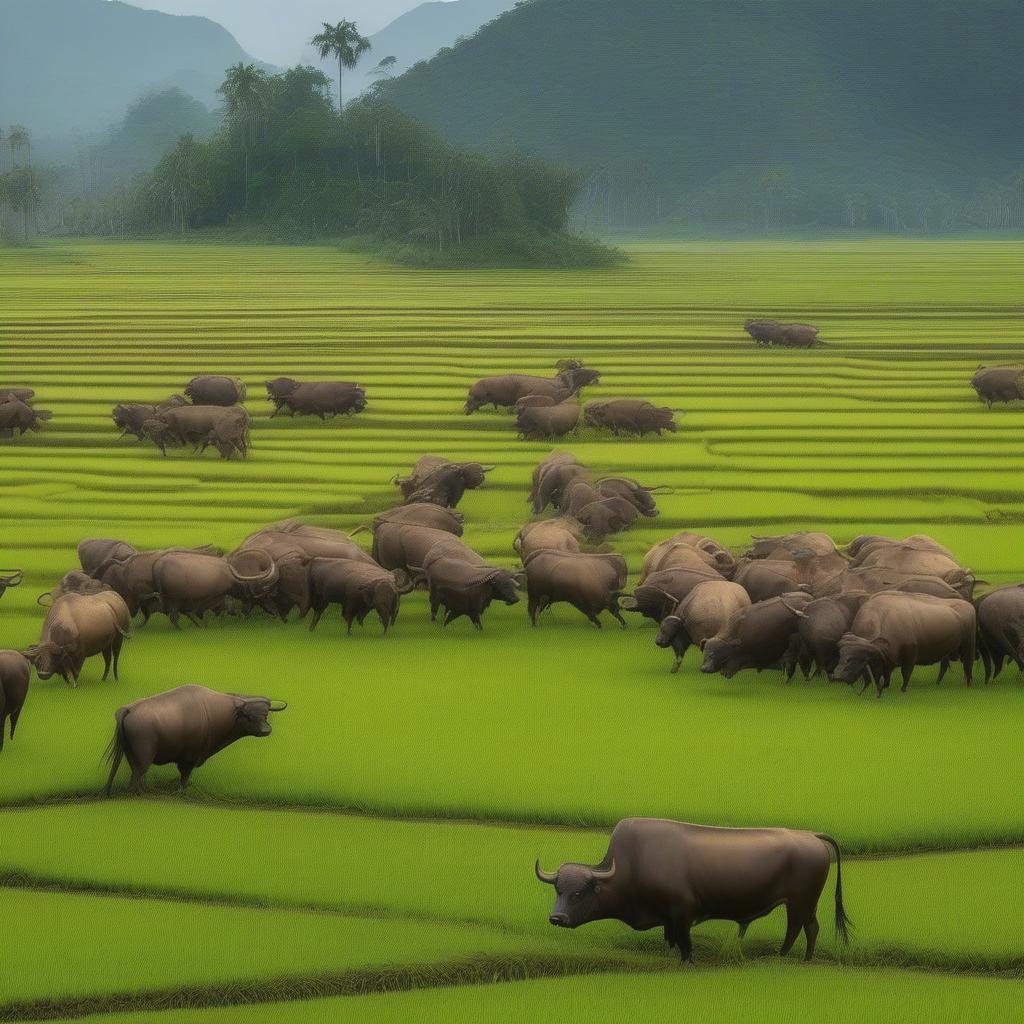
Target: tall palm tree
x=245 y=92
x=18 y=138
x=344 y=42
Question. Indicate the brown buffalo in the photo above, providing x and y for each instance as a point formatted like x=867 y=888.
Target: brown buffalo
x=463 y=588
x=629 y=416
x=16 y=417
x=358 y=588
x=437 y=481
x=423 y=513
x=503 y=392
x=765 y=578
x=671 y=875
x=93 y=552
x=551 y=477
x=538 y=423
x=788 y=545
x=77 y=627
x=213 y=390
x=131 y=417
x=15 y=671
x=316 y=398
x=74 y=582
x=999 y=383
x=315 y=541
x=562 y=533
x=702 y=614
x=10 y=578
x=659 y=594
x=16 y=394
x=184 y=727
x=665 y=554
x=200 y=426
x=397 y=546
x=861 y=548
x=591 y=583
x=1001 y=629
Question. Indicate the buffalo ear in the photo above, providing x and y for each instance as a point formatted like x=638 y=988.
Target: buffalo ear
x=519 y=578
x=629 y=603
x=31 y=654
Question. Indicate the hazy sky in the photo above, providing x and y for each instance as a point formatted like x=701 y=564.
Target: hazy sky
x=278 y=31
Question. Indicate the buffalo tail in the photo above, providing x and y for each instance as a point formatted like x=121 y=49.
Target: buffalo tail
x=115 y=752
x=843 y=923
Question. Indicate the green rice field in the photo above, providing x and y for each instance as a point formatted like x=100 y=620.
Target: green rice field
x=373 y=859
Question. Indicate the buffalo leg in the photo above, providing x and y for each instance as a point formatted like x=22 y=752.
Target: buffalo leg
x=907 y=671
x=683 y=941
x=617 y=616
x=317 y=613
x=811 y=934
x=107 y=658
x=533 y=610
x=118 y=644
x=195 y=618
x=475 y=619
x=15 y=715
x=794 y=923
x=744 y=925
x=136 y=784
x=185 y=770
x=450 y=617
x=594 y=619
x=943 y=669
x=435 y=607
x=986 y=661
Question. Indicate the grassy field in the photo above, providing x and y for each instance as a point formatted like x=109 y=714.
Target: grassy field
x=468 y=755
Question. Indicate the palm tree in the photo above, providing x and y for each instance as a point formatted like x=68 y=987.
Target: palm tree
x=18 y=138
x=245 y=92
x=344 y=42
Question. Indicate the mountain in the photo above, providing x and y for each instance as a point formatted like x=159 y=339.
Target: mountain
x=77 y=65
x=416 y=36
x=749 y=114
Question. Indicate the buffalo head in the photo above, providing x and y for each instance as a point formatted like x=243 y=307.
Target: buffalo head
x=720 y=656
x=858 y=658
x=252 y=715
x=669 y=630
x=578 y=892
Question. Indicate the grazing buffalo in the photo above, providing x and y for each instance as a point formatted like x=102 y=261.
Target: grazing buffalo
x=759 y=637
x=999 y=383
x=672 y=875
x=551 y=477
x=316 y=398
x=93 y=552
x=562 y=533
x=767 y=578
x=131 y=417
x=192 y=584
x=396 y=546
x=74 y=582
x=771 y=332
x=77 y=627
x=789 y=545
x=16 y=394
x=664 y=554
x=463 y=588
x=591 y=583
x=358 y=588
x=702 y=614
x=436 y=481
x=15 y=671
x=315 y=541
x=184 y=727
x=659 y=594
x=601 y=514
x=1001 y=629
x=16 y=417
x=629 y=416
x=200 y=426
x=423 y=513
x=212 y=390
x=503 y=392
x=540 y=423
x=900 y=631
x=10 y=578
x=823 y=623
x=764 y=331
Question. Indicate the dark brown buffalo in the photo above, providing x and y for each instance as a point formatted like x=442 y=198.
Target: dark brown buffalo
x=600 y=514
x=900 y=631
x=659 y=594
x=358 y=588
x=629 y=416
x=213 y=390
x=764 y=578
x=16 y=394
x=74 y=582
x=423 y=513
x=823 y=623
x=192 y=584
x=10 y=578
x=315 y=541
x=537 y=423
x=591 y=583
x=131 y=417
x=464 y=589
x=562 y=533
x=93 y=552
x=503 y=392
x=871 y=581
x=673 y=875
x=702 y=614
x=437 y=481
x=708 y=549
x=1001 y=629
x=200 y=426
x=798 y=336
x=184 y=727
x=535 y=402
x=15 y=672
x=757 y=637
x=864 y=547
x=18 y=418
x=911 y=559
x=316 y=398
x=396 y=546
x=77 y=627
x=551 y=477
x=999 y=383
x=673 y=554
x=788 y=545
x=764 y=331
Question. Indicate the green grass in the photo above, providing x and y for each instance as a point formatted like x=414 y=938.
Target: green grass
x=877 y=432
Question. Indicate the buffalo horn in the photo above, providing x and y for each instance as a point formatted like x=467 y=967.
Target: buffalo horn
x=603 y=874
x=283 y=704
x=547 y=877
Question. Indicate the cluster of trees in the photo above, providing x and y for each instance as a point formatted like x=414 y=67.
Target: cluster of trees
x=19 y=184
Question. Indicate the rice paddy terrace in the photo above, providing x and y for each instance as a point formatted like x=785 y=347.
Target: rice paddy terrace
x=377 y=850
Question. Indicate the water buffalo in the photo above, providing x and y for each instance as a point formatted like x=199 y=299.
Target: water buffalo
x=538 y=423
x=316 y=398
x=18 y=418
x=764 y=578
x=436 y=481
x=918 y=562
x=629 y=416
x=15 y=671
x=702 y=614
x=213 y=390
x=789 y=544
x=659 y=594
x=397 y=546
x=315 y=541
x=764 y=331
x=423 y=513
x=184 y=727
x=673 y=554
x=358 y=588
x=823 y=623
x=798 y=336
x=462 y=588
x=192 y=584
x=201 y=426
x=600 y=514
x=759 y=637
x=16 y=394
x=503 y=392
x=131 y=417
x=74 y=582
x=93 y=552
x=664 y=554
x=871 y=581
x=10 y=578
x=551 y=477
x=861 y=548
x=591 y=583
x=1001 y=629
x=673 y=875
x=900 y=631
x=77 y=627
x=999 y=383
x=562 y=533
